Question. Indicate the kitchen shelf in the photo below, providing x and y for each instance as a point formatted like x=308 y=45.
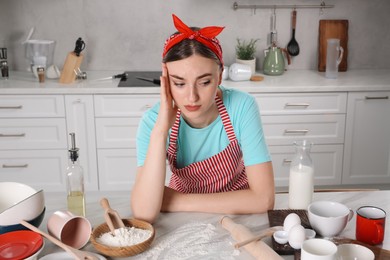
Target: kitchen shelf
x=321 y=6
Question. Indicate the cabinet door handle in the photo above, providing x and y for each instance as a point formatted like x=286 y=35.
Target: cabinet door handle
x=15 y=166
x=13 y=135
x=306 y=105
x=381 y=97
x=286 y=161
x=296 y=131
x=11 y=107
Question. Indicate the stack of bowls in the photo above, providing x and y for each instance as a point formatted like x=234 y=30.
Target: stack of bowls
x=18 y=202
x=22 y=244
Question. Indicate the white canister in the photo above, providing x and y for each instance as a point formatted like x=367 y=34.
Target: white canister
x=239 y=72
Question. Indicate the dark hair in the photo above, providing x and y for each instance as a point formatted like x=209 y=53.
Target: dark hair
x=189 y=47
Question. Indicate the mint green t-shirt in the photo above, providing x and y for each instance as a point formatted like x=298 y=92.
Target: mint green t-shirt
x=196 y=144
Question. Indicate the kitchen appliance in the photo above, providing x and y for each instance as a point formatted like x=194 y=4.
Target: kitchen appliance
x=274 y=63
x=40 y=52
x=137 y=79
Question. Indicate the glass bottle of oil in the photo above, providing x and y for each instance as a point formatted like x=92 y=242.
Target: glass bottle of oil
x=75 y=181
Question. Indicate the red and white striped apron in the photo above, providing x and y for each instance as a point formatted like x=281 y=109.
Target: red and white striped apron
x=222 y=172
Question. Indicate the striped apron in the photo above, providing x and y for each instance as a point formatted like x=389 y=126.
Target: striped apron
x=222 y=172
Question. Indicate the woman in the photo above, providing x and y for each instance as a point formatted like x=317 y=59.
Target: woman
x=211 y=136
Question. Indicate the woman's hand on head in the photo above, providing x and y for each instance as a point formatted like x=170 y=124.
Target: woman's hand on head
x=168 y=109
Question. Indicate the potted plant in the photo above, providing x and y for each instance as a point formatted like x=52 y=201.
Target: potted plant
x=245 y=53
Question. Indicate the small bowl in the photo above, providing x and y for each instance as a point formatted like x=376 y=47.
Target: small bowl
x=126 y=250
x=22 y=244
x=281 y=237
x=36 y=254
x=18 y=202
x=309 y=233
x=35 y=222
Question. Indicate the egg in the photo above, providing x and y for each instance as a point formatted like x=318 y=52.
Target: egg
x=296 y=236
x=291 y=220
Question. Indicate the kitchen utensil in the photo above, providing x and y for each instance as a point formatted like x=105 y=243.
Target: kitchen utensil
x=352 y=251
x=274 y=34
x=274 y=63
x=123 y=251
x=111 y=216
x=121 y=76
x=370 y=225
x=318 y=249
x=19 y=244
x=72 y=63
x=78 y=254
x=258 y=249
x=154 y=81
x=79 y=46
x=337 y=29
x=263 y=234
x=334 y=55
x=70 y=229
x=293 y=47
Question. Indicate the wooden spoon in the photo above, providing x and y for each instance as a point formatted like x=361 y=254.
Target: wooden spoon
x=111 y=216
x=78 y=254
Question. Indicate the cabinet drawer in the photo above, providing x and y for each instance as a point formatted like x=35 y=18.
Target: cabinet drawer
x=32 y=106
x=116 y=132
x=278 y=104
x=118 y=169
x=327 y=160
x=123 y=105
x=41 y=169
x=33 y=133
x=319 y=129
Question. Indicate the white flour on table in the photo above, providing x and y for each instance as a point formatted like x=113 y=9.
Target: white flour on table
x=125 y=236
x=194 y=240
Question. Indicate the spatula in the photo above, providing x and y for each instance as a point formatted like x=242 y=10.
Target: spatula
x=111 y=216
x=78 y=254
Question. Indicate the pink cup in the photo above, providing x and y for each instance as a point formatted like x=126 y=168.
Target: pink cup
x=72 y=230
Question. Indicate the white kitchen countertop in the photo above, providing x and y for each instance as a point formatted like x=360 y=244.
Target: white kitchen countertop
x=290 y=81
x=173 y=235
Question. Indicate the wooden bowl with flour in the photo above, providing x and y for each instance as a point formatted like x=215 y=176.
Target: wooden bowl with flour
x=136 y=237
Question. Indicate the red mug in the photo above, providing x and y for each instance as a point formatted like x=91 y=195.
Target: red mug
x=370 y=225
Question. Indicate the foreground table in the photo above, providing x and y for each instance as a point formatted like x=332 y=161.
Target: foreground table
x=199 y=235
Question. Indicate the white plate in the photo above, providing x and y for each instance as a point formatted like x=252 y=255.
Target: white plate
x=65 y=256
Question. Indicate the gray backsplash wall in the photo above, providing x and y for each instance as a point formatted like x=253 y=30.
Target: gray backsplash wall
x=129 y=34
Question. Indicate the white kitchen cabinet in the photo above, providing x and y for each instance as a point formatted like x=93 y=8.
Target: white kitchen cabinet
x=117 y=119
x=81 y=121
x=33 y=140
x=318 y=118
x=367 y=138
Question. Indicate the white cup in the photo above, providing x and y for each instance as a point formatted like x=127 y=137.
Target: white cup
x=72 y=230
x=240 y=72
x=318 y=249
x=354 y=251
x=328 y=218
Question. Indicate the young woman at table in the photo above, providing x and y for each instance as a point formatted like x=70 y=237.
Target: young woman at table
x=211 y=136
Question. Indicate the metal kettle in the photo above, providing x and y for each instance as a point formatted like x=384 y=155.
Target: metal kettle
x=274 y=62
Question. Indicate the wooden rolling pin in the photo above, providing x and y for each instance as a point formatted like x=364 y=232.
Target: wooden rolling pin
x=258 y=249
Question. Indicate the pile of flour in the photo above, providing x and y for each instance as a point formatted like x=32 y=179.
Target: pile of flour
x=193 y=240
x=126 y=236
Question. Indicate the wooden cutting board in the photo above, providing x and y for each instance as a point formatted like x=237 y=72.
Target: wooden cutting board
x=332 y=29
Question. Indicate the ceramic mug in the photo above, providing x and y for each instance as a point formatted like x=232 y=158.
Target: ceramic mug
x=370 y=225
x=72 y=230
x=318 y=249
x=354 y=251
x=329 y=218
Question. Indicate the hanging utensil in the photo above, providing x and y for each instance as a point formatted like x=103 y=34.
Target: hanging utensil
x=274 y=34
x=111 y=216
x=293 y=47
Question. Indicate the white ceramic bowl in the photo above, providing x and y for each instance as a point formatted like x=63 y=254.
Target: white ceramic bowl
x=18 y=202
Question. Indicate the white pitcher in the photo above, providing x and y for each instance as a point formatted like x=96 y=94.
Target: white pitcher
x=334 y=55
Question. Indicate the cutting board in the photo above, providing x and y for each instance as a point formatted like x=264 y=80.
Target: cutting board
x=332 y=29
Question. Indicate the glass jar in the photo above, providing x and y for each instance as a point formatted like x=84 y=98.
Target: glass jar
x=301 y=179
